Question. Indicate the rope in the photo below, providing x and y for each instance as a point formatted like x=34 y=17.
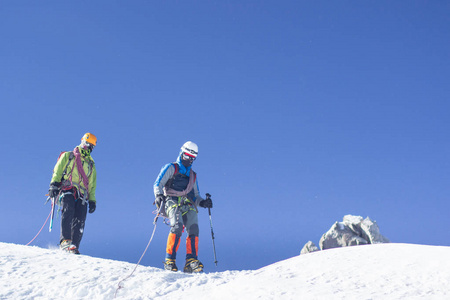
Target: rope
x=119 y=286
x=39 y=230
x=83 y=177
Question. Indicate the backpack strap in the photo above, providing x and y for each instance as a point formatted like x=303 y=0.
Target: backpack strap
x=71 y=155
x=175 y=165
x=175 y=172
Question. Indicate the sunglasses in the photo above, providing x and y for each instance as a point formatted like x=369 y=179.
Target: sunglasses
x=187 y=156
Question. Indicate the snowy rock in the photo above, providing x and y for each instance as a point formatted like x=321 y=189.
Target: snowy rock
x=340 y=235
x=308 y=248
x=354 y=223
x=352 y=231
x=372 y=232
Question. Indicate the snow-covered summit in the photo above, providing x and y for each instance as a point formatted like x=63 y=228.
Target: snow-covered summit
x=384 y=271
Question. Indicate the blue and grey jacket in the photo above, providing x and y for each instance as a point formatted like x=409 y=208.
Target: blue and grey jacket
x=179 y=182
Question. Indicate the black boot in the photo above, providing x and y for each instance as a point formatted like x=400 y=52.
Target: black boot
x=170 y=265
x=193 y=266
x=67 y=246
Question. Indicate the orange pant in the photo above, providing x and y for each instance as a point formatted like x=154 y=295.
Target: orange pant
x=173 y=243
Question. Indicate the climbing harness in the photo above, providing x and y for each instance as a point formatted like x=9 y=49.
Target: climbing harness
x=184 y=201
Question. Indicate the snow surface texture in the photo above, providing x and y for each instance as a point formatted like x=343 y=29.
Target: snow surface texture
x=383 y=271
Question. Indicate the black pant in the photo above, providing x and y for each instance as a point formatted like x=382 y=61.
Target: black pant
x=73 y=218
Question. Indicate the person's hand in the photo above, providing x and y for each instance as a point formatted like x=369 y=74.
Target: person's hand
x=92 y=206
x=207 y=203
x=160 y=199
x=53 y=191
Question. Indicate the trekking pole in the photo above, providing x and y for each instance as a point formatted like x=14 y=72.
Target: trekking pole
x=208 y=196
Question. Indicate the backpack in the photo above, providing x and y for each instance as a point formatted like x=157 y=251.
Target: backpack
x=175 y=172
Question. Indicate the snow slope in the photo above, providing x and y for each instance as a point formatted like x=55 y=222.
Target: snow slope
x=384 y=271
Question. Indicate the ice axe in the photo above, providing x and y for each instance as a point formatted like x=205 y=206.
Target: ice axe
x=52 y=212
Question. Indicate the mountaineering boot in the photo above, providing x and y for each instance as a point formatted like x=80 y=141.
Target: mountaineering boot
x=73 y=249
x=193 y=266
x=170 y=265
x=66 y=245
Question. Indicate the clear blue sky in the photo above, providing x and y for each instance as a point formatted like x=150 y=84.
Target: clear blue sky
x=304 y=111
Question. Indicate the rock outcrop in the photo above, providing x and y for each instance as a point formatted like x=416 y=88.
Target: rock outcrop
x=309 y=247
x=352 y=231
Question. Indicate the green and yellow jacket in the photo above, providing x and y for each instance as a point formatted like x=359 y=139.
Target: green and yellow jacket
x=71 y=177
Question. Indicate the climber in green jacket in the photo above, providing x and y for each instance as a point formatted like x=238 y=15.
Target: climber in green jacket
x=73 y=185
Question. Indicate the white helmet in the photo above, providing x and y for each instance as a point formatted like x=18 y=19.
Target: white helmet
x=190 y=148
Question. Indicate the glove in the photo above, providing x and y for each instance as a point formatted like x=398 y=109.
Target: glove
x=92 y=206
x=206 y=203
x=53 y=191
x=160 y=199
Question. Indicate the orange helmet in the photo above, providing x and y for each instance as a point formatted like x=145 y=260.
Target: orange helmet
x=90 y=138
